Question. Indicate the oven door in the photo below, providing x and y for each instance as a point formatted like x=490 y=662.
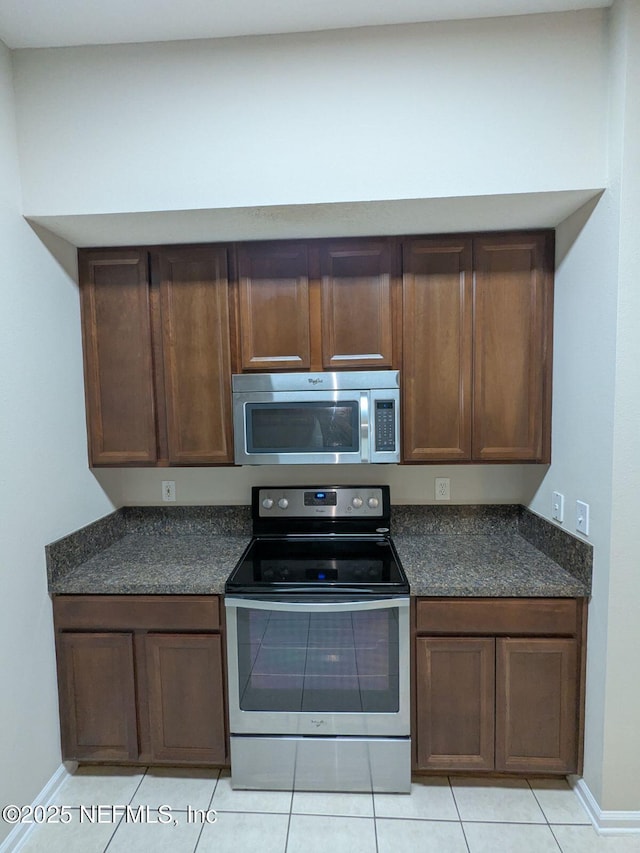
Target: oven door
x=318 y=665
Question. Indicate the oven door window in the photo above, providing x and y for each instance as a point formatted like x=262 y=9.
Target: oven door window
x=309 y=427
x=312 y=662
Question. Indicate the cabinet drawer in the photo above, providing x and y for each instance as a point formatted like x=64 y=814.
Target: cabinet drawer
x=497 y=616
x=139 y=612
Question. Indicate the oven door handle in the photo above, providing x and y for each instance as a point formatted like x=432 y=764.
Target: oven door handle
x=328 y=606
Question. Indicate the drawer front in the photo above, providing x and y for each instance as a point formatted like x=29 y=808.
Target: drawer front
x=498 y=616
x=137 y=612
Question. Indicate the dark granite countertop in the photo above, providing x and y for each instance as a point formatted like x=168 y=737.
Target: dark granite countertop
x=482 y=566
x=155 y=564
x=453 y=551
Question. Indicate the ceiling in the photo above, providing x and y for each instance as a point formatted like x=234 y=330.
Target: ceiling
x=344 y=219
x=59 y=23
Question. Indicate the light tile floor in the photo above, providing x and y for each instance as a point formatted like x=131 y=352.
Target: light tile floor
x=197 y=811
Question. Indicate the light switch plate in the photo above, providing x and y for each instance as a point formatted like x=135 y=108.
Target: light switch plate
x=557 y=507
x=582 y=517
x=168 y=490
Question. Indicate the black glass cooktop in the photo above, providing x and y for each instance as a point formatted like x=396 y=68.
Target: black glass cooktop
x=319 y=564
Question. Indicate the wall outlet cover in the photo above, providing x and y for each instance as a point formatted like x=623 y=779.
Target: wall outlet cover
x=443 y=489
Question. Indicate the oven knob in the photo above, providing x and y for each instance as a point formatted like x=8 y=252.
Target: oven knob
x=267 y=503
x=283 y=503
x=357 y=503
x=373 y=502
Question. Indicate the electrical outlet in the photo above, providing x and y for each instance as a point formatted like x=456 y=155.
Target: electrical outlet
x=582 y=517
x=168 y=490
x=557 y=507
x=443 y=490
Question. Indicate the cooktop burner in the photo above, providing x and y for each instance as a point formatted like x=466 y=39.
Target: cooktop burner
x=320 y=539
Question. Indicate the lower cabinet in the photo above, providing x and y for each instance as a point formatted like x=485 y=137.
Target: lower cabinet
x=141 y=679
x=498 y=685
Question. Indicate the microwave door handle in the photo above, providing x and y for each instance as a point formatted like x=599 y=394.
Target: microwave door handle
x=364 y=426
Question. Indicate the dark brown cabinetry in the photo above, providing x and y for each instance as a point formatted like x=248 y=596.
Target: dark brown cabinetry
x=157 y=356
x=508 y=701
x=357 y=308
x=273 y=293
x=118 y=357
x=318 y=305
x=512 y=347
x=184 y=676
x=141 y=679
x=467 y=319
x=194 y=308
x=96 y=686
x=437 y=349
x=477 y=332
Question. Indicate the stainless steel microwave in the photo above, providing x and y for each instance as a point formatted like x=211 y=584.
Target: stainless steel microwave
x=316 y=418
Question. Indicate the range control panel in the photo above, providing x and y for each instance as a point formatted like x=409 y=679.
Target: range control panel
x=318 y=502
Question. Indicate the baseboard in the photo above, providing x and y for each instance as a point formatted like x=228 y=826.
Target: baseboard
x=606 y=822
x=20 y=832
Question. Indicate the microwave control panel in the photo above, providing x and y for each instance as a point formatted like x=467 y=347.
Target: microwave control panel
x=385 y=427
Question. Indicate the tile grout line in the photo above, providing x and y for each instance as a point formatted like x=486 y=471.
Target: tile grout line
x=555 y=838
x=117 y=827
x=375 y=820
x=544 y=813
x=455 y=803
x=213 y=793
x=286 y=839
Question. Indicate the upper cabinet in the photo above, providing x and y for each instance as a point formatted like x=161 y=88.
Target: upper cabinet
x=118 y=357
x=157 y=356
x=437 y=345
x=477 y=332
x=357 y=309
x=467 y=319
x=194 y=310
x=512 y=340
x=321 y=305
x=273 y=298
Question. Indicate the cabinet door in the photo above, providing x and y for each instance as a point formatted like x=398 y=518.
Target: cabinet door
x=116 y=323
x=436 y=329
x=357 y=316
x=455 y=703
x=196 y=354
x=97 y=696
x=536 y=705
x=186 y=699
x=512 y=348
x=274 y=306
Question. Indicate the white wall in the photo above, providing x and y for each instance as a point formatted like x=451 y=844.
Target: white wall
x=595 y=426
x=470 y=484
x=45 y=487
x=466 y=108
x=621 y=769
x=584 y=357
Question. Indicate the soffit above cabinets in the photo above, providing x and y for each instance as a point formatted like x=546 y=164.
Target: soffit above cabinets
x=346 y=219
x=41 y=23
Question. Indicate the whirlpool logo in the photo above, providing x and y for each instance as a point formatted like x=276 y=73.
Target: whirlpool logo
x=317 y=381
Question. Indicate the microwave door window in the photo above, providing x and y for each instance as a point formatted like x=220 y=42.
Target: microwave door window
x=316 y=427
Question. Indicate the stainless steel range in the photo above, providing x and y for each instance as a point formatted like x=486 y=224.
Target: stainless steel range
x=318 y=645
